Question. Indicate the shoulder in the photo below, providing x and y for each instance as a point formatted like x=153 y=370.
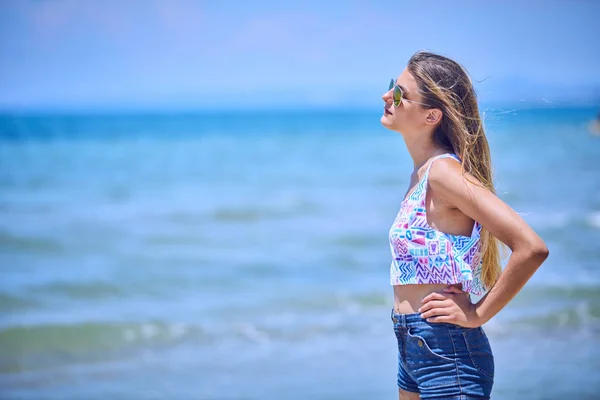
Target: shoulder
x=446 y=177
x=443 y=169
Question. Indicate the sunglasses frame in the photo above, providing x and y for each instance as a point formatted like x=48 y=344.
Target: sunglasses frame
x=398 y=89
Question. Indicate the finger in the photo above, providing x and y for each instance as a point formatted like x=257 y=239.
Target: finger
x=444 y=318
x=434 y=296
x=436 y=312
x=433 y=304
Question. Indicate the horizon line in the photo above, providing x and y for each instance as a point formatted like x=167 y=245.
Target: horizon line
x=203 y=109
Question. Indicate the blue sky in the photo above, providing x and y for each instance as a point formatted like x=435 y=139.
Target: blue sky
x=247 y=54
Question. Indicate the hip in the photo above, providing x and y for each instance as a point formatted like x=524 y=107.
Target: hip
x=427 y=346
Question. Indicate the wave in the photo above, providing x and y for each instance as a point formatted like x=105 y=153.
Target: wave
x=253 y=214
x=80 y=291
x=11 y=242
x=581 y=314
x=593 y=219
x=558 y=293
x=9 y=303
x=558 y=220
x=551 y=308
x=176 y=239
x=248 y=214
x=357 y=241
x=242 y=213
x=293 y=320
x=31 y=347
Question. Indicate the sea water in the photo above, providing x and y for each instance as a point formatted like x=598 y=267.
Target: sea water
x=244 y=255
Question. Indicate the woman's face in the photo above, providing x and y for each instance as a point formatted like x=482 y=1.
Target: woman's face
x=409 y=117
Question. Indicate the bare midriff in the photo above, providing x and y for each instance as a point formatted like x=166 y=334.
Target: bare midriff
x=407 y=298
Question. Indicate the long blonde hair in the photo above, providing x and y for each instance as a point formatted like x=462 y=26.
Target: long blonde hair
x=445 y=85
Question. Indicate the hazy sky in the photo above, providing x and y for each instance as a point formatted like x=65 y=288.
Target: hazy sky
x=233 y=54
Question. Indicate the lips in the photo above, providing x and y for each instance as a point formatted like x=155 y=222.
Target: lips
x=386 y=111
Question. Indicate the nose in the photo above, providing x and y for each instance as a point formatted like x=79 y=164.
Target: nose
x=387 y=96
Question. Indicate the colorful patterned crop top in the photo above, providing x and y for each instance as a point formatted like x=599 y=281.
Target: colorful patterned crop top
x=422 y=254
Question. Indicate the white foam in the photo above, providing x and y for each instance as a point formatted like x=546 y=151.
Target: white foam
x=178 y=330
x=547 y=220
x=584 y=312
x=563 y=319
x=148 y=331
x=129 y=335
x=251 y=332
x=594 y=219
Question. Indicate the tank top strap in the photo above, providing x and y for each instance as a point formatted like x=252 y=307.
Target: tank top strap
x=445 y=155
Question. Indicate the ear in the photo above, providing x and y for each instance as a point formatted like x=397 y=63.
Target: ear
x=433 y=116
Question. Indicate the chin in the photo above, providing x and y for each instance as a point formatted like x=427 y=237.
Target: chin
x=385 y=121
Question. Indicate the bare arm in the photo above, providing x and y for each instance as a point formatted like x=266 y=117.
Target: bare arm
x=528 y=249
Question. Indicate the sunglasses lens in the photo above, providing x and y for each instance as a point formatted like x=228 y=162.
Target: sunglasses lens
x=397 y=96
x=391 y=85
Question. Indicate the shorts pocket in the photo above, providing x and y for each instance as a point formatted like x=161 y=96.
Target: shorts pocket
x=430 y=357
x=480 y=351
x=433 y=341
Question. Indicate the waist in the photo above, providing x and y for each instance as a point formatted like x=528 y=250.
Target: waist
x=407 y=320
x=408 y=298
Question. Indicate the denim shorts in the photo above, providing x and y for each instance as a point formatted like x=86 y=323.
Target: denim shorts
x=442 y=360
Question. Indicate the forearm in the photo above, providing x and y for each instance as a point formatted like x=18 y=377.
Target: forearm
x=520 y=268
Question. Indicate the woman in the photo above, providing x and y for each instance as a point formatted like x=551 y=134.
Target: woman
x=444 y=240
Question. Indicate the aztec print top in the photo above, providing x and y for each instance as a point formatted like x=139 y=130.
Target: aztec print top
x=421 y=254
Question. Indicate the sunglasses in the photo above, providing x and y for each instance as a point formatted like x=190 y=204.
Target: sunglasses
x=398 y=94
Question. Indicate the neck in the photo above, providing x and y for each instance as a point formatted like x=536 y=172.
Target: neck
x=421 y=149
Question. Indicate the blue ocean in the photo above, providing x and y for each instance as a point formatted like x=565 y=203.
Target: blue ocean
x=244 y=254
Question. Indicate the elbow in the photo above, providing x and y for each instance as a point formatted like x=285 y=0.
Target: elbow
x=539 y=251
x=532 y=251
